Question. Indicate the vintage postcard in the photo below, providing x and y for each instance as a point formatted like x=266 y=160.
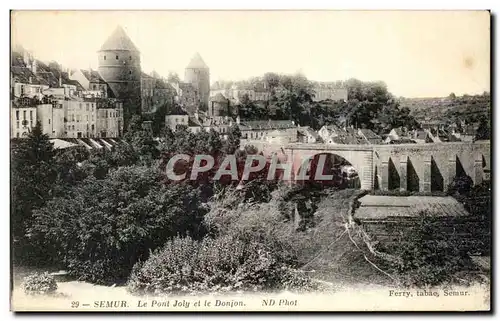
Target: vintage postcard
x=237 y=161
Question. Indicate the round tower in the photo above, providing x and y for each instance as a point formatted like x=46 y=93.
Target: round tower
x=120 y=66
x=197 y=74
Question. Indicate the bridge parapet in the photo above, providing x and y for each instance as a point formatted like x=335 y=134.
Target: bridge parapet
x=414 y=167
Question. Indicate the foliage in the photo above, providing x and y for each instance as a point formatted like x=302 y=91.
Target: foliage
x=34 y=179
x=484 y=129
x=478 y=203
x=223 y=264
x=461 y=184
x=173 y=77
x=103 y=226
x=232 y=143
x=428 y=254
x=39 y=283
x=265 y=223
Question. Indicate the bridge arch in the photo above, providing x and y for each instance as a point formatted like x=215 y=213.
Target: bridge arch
x=327 y=169
x=359 y=158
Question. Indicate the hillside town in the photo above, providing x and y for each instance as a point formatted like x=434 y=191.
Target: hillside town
x=135 y=184
x=90 y=107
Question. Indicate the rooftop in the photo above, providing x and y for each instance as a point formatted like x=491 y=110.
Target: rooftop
x=197 y=63
x=119 y=40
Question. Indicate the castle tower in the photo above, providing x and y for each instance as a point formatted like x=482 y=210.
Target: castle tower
x=197 y=73
x=120 y=66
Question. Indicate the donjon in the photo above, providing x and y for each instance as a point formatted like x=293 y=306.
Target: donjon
x=197 y=74
x=120 y=66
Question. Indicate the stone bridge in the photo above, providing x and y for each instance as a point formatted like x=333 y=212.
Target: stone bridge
x=413 y=167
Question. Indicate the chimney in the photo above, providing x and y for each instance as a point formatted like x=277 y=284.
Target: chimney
x=238 y=119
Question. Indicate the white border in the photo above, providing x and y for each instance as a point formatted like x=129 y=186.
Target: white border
x=193 y=4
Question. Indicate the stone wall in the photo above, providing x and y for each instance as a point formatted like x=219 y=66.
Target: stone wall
x=423 y=167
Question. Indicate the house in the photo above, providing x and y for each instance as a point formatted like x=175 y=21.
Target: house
x=370 y=136
x=328 y=131
x=307 y=135
x=469 y=134
x=259 y=129
x=421 y=136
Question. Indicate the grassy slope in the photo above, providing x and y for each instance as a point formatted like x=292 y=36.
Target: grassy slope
x=445 y=109
x=329 y=254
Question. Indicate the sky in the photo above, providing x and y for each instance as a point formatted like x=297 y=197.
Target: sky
x=416 y=53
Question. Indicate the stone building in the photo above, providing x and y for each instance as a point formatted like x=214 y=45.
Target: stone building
x=155 y=92
x=120 y=67
x=197 y=74
x=218 y=106
x=23 y=118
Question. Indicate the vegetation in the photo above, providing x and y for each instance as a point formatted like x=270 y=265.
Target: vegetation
x=39 y=284
x=222 y=264
x=428 y=254
x=451 y=110
x=369 y=104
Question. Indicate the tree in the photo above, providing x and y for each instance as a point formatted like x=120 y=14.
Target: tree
x=484 y=129
x=101 y=228
x=232 y=144
x=33 y=181
x=452 y=96
x=173 y=77
x=292 y=96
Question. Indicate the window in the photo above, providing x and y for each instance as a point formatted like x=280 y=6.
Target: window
x=24 y=114
x=87 y=118
x=17 y=124
x=17 y=134
x=49 y=121
x=31 y=114
x=87 y=107
x=130 y=58
x=104 y=57
x=116 y=57
x=130 y=72
x=17 y=114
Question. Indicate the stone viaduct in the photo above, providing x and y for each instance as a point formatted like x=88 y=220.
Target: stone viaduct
x=413 y=167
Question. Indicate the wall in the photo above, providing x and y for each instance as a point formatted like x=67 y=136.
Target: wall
x=425 y=167
x=20 y=115
x=123 y=76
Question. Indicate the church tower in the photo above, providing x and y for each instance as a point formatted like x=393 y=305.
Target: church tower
x=197 y=74
x=120 y=66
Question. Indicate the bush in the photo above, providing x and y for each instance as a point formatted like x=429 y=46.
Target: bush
x=39 y=284
x=461 y=185
x=428 y=255
x=103 y=226
x=223 y=264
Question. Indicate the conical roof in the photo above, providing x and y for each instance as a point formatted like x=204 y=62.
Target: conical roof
x=119 y=41
x=197 y=62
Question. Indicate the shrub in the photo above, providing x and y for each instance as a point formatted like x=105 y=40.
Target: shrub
x=39 y=283
x=223 y=264
x=461 y=185
x=428 y=255
x=103 y=226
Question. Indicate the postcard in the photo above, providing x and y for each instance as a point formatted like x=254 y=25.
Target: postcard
x=245 y=161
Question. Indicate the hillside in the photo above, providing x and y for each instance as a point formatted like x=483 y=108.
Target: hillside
x=449 y=109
